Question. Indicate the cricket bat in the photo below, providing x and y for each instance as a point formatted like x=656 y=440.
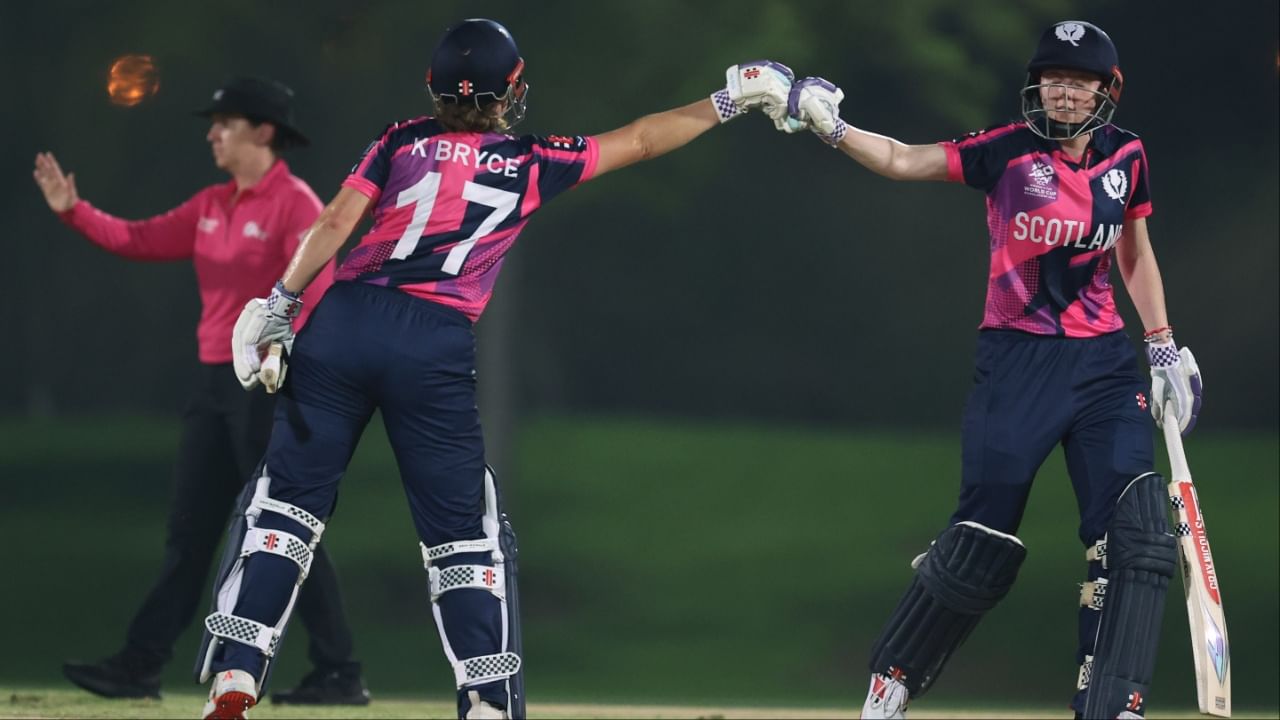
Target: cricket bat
x=1205 y=616
x=273 y=368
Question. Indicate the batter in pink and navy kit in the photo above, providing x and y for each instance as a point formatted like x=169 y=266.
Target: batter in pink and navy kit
x=449 y=196
x=449 y=207
x=1066 y=197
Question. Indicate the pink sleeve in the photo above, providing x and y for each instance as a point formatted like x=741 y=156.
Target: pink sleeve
x=955 y=169
x=170 y=236
x=593 y=157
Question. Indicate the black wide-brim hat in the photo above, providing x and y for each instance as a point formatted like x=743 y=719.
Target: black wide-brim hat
x=261 y=100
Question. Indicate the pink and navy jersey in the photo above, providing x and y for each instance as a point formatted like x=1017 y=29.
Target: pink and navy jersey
x=1053 y=222
x=448 y=206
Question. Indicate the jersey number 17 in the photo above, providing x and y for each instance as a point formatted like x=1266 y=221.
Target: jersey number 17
x=422 y=195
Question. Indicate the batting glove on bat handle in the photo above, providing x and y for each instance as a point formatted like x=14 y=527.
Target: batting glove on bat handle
x=814 y=102
x=274 y=366
x=750 y=85
x=1175 y=378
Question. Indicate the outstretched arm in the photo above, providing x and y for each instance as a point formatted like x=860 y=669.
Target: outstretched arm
x=654 y=135
x=170 y=236
x=893 y=159
x=748 y=85
x=816 y=103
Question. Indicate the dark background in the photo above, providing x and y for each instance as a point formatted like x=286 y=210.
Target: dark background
x=722 y=387
x=748 y=275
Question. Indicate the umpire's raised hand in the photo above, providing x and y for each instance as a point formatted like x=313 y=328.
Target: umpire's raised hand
x=59 y=190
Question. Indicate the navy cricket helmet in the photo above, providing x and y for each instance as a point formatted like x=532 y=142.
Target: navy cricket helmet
x=477 y=62
x=1073 y=45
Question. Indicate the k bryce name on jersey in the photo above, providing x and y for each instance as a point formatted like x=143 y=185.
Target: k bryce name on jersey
x=466 y=155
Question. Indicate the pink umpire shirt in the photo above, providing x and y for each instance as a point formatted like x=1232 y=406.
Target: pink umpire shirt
x=239 y=249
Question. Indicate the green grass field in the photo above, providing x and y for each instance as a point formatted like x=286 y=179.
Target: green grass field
x=663 y=563
x=46 y=703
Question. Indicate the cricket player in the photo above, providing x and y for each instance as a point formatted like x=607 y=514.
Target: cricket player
x=1067 y=194
x=239 y=235
x=449 y=195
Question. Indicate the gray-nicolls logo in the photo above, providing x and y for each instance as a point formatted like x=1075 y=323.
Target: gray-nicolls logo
x=1116 y=184
x=1069 y=32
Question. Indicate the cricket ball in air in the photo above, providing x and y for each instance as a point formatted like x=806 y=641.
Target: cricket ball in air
x=132 y=79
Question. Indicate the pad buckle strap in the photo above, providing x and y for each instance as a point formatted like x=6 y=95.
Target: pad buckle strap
x=485 y=668
x=293 y=512
x=1086 y=673
x=244 y=631
x=456 y=577
x=430 y=554
x=278 y=542
x=1093 y=594
x=1098 y=552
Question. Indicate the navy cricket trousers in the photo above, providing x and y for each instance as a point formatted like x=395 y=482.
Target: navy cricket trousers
x=368 y=347
x=1032 y=393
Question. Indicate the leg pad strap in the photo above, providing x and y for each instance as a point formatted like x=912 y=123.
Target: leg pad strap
x=243 y=630
x=486 y=668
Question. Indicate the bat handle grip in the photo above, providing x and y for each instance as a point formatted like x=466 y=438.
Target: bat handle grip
x=270 y=372
x=1173 y=443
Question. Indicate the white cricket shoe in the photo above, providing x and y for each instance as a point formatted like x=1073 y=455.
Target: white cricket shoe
x=232 y=694
x=886 y=698
x=482 y=710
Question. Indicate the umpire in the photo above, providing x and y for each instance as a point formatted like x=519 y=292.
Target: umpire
x=239 y=235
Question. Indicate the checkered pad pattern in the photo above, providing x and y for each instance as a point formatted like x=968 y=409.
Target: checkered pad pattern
x=1162 y=355
x=291 y=511
x=1086 y=673
x=725 y=108
x=489 y=667
x=278 y=542
x=242 y=630
x=457 y=576
x=478 y=577
x=1093 y=594
x=430 y=554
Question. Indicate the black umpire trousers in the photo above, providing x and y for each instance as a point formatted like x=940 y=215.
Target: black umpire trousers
x=224 y=436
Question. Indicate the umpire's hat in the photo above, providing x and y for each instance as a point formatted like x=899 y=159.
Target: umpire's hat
x=260 y=100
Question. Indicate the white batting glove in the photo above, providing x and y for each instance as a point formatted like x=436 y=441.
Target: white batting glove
x=263 y=321
x=757 y=84
x=1175 y=377
x=815 y=103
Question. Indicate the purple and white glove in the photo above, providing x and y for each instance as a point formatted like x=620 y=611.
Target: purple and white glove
x=262 y=323
x=815 y=103
x=755 y=84
x=1175 y=378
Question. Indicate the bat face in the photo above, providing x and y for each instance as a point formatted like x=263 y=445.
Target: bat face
x=1204 y=601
